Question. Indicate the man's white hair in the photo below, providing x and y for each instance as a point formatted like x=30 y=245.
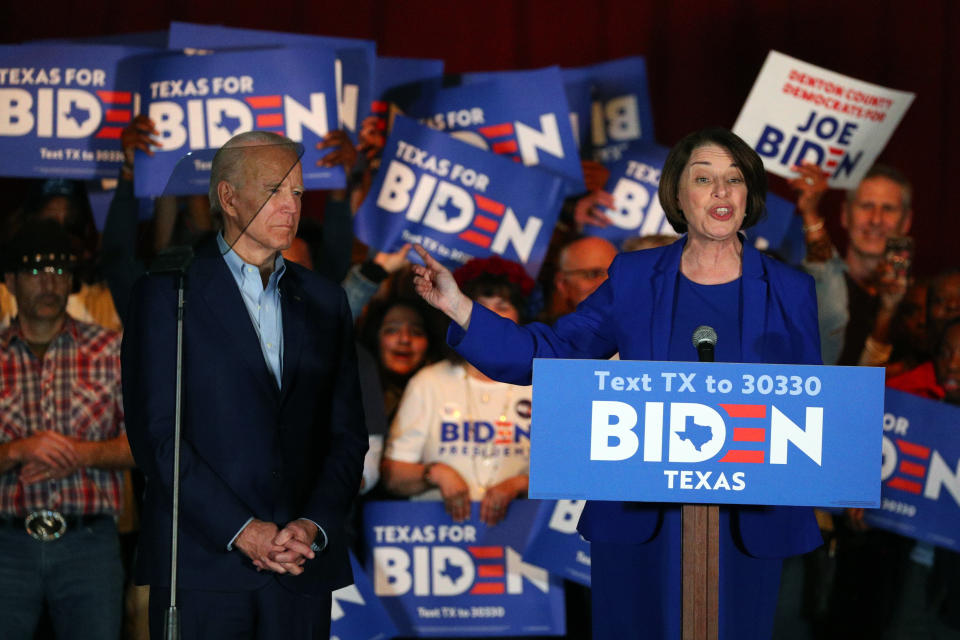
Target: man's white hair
x=227 y=167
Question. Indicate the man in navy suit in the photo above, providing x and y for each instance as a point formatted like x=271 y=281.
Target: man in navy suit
x=273 y=431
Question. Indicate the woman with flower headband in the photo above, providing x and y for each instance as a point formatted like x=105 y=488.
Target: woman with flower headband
x=458 y=435
x=712 y=186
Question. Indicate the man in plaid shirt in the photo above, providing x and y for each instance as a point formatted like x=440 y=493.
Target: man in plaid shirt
x=62 y=449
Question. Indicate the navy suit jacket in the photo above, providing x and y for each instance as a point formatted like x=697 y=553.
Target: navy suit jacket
x=632 y=313
x=249 y=448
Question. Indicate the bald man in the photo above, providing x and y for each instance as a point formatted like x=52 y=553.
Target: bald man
x=582 y=268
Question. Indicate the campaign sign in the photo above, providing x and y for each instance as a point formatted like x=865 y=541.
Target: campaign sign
x=439 y=578
x=555 y=544
x=200 y=102
x=580 y=98
x=800 y=112
x=458 y=201
x=718 y=433
x=521 y=114
x=355 y=59
x=578 y=94
x=634 y=181
x=356 y=612
x=772 y=230
x=402 y=80
x=63 y=108
x=620 y=113
x=921 y=470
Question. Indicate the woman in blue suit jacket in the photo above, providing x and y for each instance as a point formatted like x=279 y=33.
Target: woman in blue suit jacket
x=712 y=186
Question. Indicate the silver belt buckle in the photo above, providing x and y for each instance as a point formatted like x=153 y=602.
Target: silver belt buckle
x=45 y=525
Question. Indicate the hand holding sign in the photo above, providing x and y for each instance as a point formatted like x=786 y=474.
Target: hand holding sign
x=811 y=183
x=453 y=488
x=590 y=209
x=343 y=151
x=436 y=285
x=497 y=499
x=141 y=134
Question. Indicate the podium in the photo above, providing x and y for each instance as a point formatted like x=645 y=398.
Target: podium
x=703 y=435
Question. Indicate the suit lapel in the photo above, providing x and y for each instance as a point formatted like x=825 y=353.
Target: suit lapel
x=664 y=286
x=754 y=311
x=221 y=296
x=294 y=322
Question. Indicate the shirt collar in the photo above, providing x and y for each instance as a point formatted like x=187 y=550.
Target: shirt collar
x=236 y=264
x=14 y=331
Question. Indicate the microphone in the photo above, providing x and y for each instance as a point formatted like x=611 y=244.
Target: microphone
x=175 y=259
x=704 y=339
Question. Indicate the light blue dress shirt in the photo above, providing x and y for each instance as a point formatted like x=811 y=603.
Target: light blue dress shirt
x=263 y=304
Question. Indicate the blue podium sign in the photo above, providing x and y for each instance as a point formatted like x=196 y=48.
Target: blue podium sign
x=921 y=470
x=437 y=577
x=717 y=433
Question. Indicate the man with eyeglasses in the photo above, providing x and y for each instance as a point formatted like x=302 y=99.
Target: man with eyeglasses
x=582 y=268
x=62 y=446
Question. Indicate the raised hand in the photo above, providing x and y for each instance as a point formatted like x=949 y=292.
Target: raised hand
x=811 y=184
x=343 y=151
x=590 y=209
x=392 y=262
x=436 y=285
x=139 y=134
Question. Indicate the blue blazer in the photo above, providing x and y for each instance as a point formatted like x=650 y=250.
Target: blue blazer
x=632 y=313
x=249 y=448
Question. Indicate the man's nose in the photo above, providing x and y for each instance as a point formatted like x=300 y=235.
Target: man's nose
x=48 y=281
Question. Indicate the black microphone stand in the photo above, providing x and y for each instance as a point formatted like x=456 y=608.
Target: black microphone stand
x=175 y=260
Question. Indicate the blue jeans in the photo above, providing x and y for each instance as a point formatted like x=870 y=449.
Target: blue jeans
x=79 y=576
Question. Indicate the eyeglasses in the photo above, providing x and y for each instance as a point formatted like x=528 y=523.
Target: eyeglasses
x=586 y=274
x=36 y=272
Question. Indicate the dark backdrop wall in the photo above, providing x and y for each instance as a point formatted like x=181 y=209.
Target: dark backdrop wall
x=702 y=58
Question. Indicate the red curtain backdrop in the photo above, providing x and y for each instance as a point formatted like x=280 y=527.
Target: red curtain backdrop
x=702 y=58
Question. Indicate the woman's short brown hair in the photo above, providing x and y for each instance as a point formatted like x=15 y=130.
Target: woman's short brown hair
x=750 y=164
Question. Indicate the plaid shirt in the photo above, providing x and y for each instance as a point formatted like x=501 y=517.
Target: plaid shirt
x=74 y=390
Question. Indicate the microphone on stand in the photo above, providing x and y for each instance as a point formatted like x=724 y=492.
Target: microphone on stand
x=704 y=339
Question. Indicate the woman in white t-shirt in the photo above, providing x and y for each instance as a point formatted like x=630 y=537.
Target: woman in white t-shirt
x=458 y=435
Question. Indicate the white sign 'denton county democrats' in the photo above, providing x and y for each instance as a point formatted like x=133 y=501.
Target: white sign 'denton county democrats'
x=801 y=112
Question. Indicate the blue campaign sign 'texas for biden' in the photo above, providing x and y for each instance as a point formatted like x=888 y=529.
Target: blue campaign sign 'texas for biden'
x=634 y=182
x=356 y=612
x=921 y=470
x=440 y=578
x=706 y=432
x=458 y=201
x=355 y=59
x=556 y=545
x=200 y=102
x=63 y=108
x=523 y=115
